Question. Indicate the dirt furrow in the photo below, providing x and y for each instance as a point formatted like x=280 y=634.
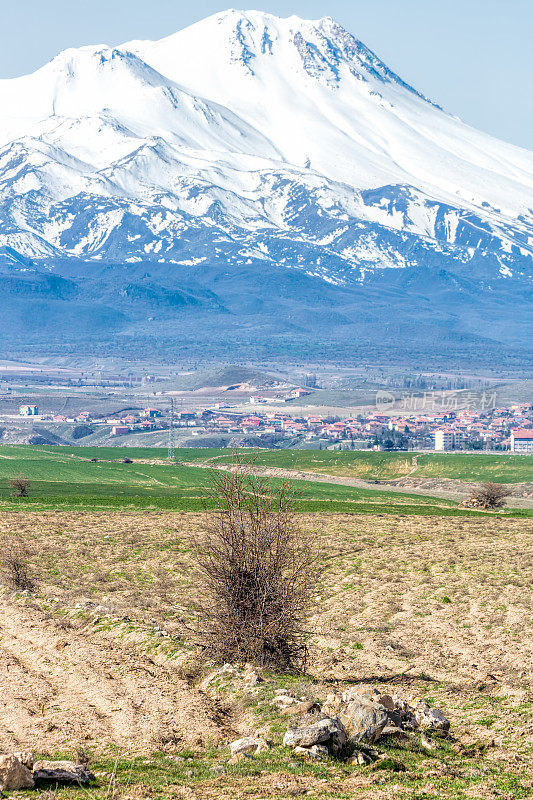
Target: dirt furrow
x=76 y=687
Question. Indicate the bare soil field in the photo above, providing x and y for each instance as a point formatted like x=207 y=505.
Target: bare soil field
x=98 y=659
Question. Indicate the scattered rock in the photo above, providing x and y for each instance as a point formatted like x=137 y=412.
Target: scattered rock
x=14 y=775
x=327 y=731
x=301 y=708
x=432 y=719
x=360 y=713
x=364 y=720
x=317 y=752
x=427 y=743
x=61 y=772
x=394 y=730
x=248 y=744
x=360 y=758
x=405 y=713
x=25 y=758
x=284 y=700
x=251 y=677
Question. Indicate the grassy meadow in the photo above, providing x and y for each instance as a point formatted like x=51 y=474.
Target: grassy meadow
x=67 y=477
x=370 y=465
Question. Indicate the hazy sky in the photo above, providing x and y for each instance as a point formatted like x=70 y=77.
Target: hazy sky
x=474 y=57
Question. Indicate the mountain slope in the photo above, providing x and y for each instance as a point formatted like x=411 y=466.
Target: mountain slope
x=250 y=142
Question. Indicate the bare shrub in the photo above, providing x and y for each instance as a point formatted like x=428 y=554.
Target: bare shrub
x=20 y=486
x=490 y=496
x=257 y=572
x=15 y=556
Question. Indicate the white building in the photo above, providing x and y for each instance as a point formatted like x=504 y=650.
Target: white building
x=28 y=411
x=448 y=439
x=522 y=441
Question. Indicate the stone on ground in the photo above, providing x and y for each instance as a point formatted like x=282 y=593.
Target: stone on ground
x=327 y=731
x=300 y=708
x=14 y=775
x=364 y=720
x=432 y=719
x=317 y=752
x=248 y=744
x=61 y=772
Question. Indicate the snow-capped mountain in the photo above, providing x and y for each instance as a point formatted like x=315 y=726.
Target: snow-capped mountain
x=249 y=140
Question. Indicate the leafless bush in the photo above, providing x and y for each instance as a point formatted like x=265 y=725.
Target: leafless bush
x=20 y=486
x=15 y=556
x=257 y=572
x=490 y=496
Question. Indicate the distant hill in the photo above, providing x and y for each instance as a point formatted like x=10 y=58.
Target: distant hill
x=231 y=375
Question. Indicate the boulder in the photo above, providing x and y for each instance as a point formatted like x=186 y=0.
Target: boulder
x=363 y=691
x=432 y=719
x=364 y=720
x=61 y=772
x=248 y=744
x=317 y=752
x=329 y=732
x=14 y=775
x=251 y=677
x=404 y=714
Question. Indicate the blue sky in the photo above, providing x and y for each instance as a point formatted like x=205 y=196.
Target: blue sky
x=471 y=56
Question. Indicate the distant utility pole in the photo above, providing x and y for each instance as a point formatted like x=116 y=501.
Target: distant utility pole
x=171 y=431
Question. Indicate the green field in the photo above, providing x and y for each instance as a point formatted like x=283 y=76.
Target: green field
x=66 y=477
x=364 y=464
x=370 y=465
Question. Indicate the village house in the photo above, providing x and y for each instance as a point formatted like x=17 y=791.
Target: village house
x=28 y=411
x=151 y=412
x=119 y=430
x=522 y=440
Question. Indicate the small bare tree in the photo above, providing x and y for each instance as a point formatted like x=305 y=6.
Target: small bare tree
x=20 y=486
x=15 y=556
x=490 y=496
x=257 y=572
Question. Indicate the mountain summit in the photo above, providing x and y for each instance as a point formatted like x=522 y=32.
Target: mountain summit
x=248 y=141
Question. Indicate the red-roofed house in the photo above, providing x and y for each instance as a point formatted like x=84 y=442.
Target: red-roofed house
x=521 y=440
x=119 y=430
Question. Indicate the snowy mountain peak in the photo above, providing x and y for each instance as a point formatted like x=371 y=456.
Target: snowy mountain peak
x=251 y=40
x=248 y=136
